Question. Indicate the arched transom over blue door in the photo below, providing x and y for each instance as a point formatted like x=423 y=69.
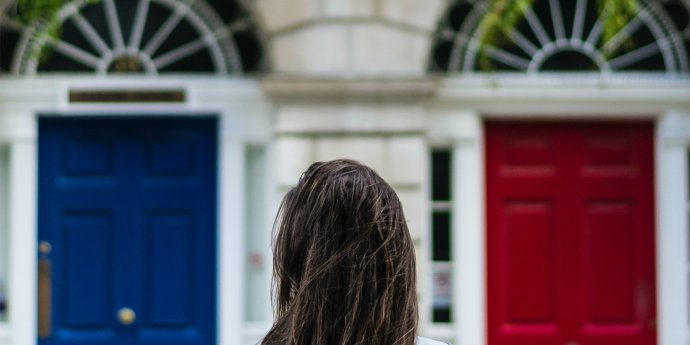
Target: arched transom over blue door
x=566 y=35
x=127 y=231
x=135 y=36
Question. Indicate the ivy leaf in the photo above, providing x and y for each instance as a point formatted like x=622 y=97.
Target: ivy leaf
x=497 y=25
x=32 y=11
x=43 y=13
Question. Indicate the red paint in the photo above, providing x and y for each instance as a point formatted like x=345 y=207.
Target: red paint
x=570 y=233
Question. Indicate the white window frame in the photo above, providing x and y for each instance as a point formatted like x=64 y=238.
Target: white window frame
x=457 y=114
x=245 y=117
x=461 y=129
x=440 y=330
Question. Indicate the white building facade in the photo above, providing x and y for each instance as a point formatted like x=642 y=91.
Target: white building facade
x=396 y=84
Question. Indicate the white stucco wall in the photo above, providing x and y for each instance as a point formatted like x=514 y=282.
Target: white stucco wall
x=349 y=37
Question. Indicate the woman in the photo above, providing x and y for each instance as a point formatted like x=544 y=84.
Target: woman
x=344 y=263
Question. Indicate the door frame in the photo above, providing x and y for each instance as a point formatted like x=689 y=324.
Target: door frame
x=244 y=119
x=456 y=117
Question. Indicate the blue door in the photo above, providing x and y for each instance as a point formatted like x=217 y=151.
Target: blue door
x=127 y=230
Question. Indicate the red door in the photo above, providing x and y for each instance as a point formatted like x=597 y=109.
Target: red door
x=570 y=233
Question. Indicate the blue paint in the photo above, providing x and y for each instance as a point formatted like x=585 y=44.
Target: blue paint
x=129 y=206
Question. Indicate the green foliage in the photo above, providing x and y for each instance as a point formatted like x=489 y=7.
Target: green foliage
x=30 y=12
x=504 y=16
x=45 y=14
x=615 y=15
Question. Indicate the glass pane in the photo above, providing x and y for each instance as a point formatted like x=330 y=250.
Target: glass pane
x=440 y=227
x=442 y=288
x=441 y=314
x=440 y=174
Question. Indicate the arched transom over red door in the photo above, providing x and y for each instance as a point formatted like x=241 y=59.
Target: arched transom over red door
x=560 y=35
x=570 y=233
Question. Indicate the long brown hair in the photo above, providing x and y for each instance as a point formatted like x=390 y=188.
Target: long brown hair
x=344 y=263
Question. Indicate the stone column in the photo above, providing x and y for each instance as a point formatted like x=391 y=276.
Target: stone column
x=673 y=253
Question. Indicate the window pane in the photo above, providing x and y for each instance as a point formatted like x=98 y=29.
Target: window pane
x=440 y=227
x=442 y=287
x=440 y=174
x=442 y=266
x=441 y=314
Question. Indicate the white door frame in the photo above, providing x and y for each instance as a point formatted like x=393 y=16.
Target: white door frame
x=244 y=118
x=456 y=115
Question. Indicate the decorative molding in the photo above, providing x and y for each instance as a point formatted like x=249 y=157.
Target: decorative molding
x=348 y=87
x=566 y=96
x=674 y=129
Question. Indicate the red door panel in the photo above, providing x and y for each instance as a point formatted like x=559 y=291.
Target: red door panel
x=570 y=233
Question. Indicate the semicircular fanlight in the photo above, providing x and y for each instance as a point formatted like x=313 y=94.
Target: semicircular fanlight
x=137 y=36
x=567 y=36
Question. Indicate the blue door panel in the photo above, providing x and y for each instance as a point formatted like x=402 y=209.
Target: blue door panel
x=170 y=265
x=129 y=206
x=85 y=238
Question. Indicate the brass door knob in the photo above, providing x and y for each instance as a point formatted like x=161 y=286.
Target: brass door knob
x=126 y=316
x=44 y=247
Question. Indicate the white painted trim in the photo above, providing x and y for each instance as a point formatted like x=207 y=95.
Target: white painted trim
x=347 y=88
x=468 y=242
x=4 y=335
x=18 y=105
x=462 y=129
x=424 y=250
x=563 y=97
x=231 y=242
x=273 y=200
x=22 y=220
x=673 y=230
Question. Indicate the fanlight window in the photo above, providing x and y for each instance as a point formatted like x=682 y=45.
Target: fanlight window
x=567 y=36
x=136 y=36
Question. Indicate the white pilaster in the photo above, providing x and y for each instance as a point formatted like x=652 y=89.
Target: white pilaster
x=231 y=241
x=22 y=248
x=468 y=227
x=673 y=253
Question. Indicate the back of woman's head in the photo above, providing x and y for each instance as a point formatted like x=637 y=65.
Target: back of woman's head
x=344 y=265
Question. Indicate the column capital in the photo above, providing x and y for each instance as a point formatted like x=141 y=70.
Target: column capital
x=674 y=127
x=453 y=125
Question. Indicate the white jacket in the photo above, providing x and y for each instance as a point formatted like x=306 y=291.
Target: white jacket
x=426 y=341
